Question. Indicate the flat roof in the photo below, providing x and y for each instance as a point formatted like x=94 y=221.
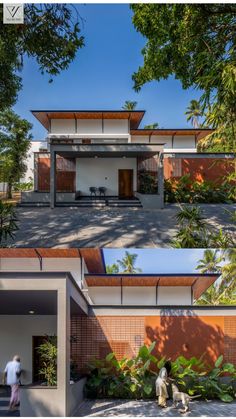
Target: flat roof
x=44 y=116
x=93 y=257
x=198 y=282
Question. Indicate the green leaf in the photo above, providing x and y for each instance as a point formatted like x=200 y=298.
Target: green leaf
x=226 y=397
x=110 y=356
x=219 y=361
x=133 y=387
x=151 y=347
x=147 y=389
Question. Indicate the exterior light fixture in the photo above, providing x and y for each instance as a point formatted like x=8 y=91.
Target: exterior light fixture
x=95 y=157
x=123 y=157
x=31 y=311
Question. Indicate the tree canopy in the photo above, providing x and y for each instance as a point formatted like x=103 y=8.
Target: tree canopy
x=196 y=43
x=129 y=105
x=50 y=35
x=15 y=140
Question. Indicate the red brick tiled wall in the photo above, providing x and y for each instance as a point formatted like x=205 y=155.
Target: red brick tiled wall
x=199 y=169
x=95 y=337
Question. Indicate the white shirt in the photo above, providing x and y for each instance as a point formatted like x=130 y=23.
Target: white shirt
x=12 y=369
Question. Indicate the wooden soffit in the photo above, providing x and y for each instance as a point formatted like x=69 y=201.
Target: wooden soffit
x=44 y=117
x=199 y=283
x=200 y=133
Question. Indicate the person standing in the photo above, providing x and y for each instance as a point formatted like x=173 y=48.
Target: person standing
x=161 y=384
x=11 y=377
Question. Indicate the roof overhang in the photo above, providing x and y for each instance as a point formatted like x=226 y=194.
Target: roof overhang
x=107 y=150
x=44 y=116
x=198 y=133
x=198 y=282
x=93 y=257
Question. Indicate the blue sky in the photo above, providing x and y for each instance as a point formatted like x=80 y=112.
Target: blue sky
x=159 y=260
x=100 y=76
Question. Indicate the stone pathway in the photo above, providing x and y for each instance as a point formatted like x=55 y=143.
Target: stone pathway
x=73 y=227
x=106 y=408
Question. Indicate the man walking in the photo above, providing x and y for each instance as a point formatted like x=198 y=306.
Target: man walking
x=12 y=378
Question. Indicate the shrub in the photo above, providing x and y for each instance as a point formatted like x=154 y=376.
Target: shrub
x=8 y=222
x=135 y=378
x=185 y=190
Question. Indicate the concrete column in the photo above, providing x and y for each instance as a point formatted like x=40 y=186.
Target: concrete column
x=160 y=179
x=63 y=347
x=52 y=177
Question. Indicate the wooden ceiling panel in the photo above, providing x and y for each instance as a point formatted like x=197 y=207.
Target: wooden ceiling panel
x=200 y=133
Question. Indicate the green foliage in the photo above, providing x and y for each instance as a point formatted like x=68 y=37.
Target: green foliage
x=194 y=112
x=14 y=146
x=135 y=378
x=23 y=186
x=112 y=269
x=196 y=44
x=48 y=359
x=127 y=264
x=195 y=232
x=50 y=35
x=147 y=183
x=185 y=190
x=155 y=125
x=8 y=222
x=129 y=105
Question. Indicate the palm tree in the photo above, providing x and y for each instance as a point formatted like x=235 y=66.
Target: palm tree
x=194 y=112
x=210 y=262
x=129 y=105
x=155 y=125
x=112 y=269
x=127 y=264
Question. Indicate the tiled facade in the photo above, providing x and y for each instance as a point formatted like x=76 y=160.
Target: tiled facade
x=95 y=337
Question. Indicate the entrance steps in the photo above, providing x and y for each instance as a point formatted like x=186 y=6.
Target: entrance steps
x=91 y=202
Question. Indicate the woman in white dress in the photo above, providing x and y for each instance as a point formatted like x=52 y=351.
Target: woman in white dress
x=161 y=384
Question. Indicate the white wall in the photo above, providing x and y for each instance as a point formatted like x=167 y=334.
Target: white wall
x=89 y=126
x=62 y=126
x=102 y=172
x=180 y=141
x=16 y=338
x=35 y=146
x=174 y=295
x=184 y=141
x=145 y=296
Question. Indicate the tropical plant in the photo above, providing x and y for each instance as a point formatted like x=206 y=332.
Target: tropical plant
x=195 y=232
x=23 y=186
x=127 y=264
x=223 y=292
x=112 y=269
x=185 y=190
x=201 y=56
x=147 y=183
x=50 y=35
x=155 y=125
x=8 y=222
x=48 y=359
x=194 y=113
x=129 y=105
x=14 y=146
x=135 y=378
x=210 y=263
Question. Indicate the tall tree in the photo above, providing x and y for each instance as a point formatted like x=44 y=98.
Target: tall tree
x=14 y=146
x=210 y=263
x=129 y=105
x=50 y=35
x=194 y=112
x=224 y=291
x=127 y=264
x=195 y=43
x=155 y=125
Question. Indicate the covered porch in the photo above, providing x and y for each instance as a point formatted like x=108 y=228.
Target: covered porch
x=36 y=308
x=99 y=174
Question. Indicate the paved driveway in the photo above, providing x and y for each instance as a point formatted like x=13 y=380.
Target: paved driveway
x=73 y=227
x=150 y=408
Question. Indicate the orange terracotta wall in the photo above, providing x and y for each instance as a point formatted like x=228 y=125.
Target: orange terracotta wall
x=200 y=169
x=175 y=335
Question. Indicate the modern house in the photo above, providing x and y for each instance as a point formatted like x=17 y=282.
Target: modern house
x=67 y=293
x=107 y=156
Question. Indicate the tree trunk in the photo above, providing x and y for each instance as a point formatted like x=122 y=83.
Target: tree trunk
x=9 y=191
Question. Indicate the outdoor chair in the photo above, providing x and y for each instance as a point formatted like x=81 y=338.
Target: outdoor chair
x=102 y=191
x=93 y=190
